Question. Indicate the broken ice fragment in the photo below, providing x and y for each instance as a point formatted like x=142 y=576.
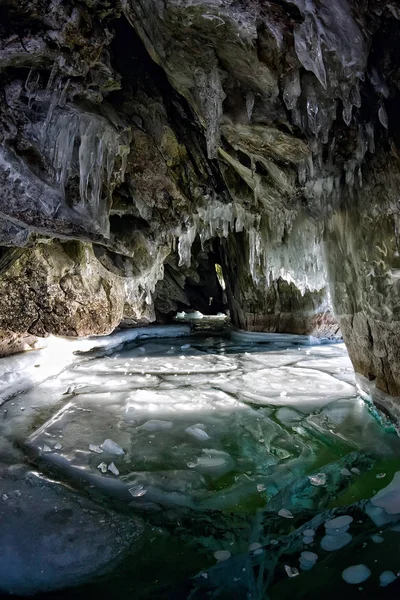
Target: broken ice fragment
x=356 y=574
x=197 y=433
x=291 y=571
x=46 y=448
x=318 y=479
x=285 y=513
x=113 y=469
x=137 y=491
x=94 y=448
x=261 y=487
x=58 y=446
x=386 y=578
x=383 y=118
x=103 y=467
x=222 y=555
x=112 y=448
x=191 y=465
x=377 y=539
x=356 y=471
x=381 y=475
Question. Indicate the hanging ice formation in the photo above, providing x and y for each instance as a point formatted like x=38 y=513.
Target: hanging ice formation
x=297 y=259
x=72 y=138
x=331 y=46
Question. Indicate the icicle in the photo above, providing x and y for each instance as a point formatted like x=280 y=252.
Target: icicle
x=383 y=118
x=292 y=90
x=250 y=99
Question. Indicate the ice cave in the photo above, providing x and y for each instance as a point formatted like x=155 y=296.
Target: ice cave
x=199 y=299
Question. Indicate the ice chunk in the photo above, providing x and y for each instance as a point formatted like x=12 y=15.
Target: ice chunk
x=112 y=448
x=356 y=471
x=214 y=462
x=137 y=491
x=378 y=539
x=285 y=513
x=291 y=571
x=221 y=555
x=96 y=449
x=330 y=543
x=46 y=448
x=386 y=578
x=356 y=574
x=102 y=467
x=197 y=433
x=113 y=469
x=318 y=479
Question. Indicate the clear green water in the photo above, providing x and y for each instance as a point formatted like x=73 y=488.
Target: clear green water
x=271 y=415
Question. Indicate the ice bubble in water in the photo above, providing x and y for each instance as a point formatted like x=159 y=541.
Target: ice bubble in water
x=386 y=578
x=221 y=555
x=318 y=479
x=113 y=469
x=308 y=560
x=254 y=546
x=285 y=513
x=94 y=448
x=112 y=448
x=338 y=524
x=156 y=425
x=197 y=433
x=309 y=532
x=307 y=539
x=137 y=491
x=356 y=574
x=378 y=539
x=330 y=543
x=345 y=472
x=103 y=467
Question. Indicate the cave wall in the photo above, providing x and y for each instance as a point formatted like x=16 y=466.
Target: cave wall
x=139 y=138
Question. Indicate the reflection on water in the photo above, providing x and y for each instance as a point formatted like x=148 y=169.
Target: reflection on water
x=210 y=466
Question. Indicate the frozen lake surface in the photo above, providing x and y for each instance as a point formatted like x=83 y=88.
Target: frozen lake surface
x=194 y=465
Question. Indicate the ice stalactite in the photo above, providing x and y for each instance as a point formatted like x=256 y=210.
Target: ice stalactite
x=276 y=250
x=99 y=144
x=211 y=96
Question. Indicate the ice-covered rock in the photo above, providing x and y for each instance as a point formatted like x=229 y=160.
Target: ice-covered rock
x=389 y=497
x=54 y=537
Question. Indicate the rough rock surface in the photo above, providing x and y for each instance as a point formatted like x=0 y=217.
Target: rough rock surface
x=143 y=142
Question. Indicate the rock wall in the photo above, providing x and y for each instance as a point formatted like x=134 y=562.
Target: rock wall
x=145 y=142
